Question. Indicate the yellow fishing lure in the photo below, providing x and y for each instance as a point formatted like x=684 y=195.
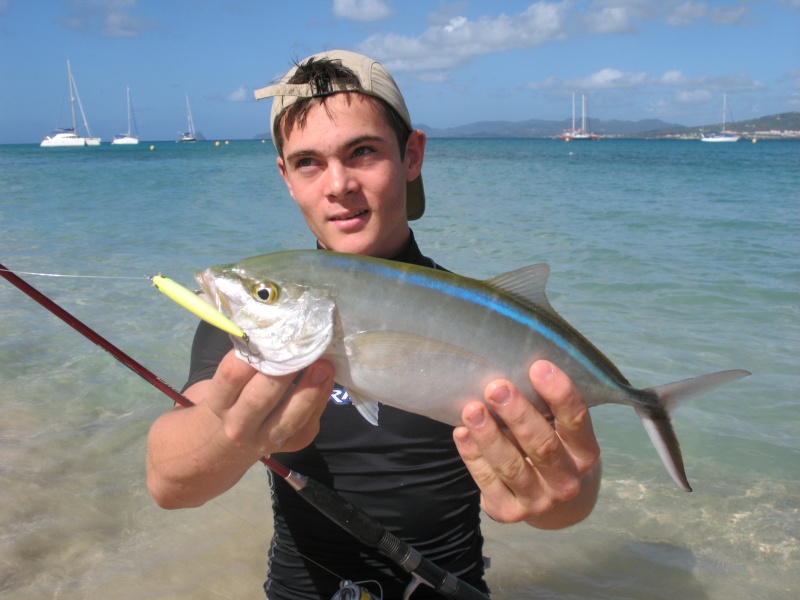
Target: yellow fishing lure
x=196 y=305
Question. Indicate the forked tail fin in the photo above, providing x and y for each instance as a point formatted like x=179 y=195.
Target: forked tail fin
x=657 y=423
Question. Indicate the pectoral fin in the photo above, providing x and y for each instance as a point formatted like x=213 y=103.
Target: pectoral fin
x=367 y=408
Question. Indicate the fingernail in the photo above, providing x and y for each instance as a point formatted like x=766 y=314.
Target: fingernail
x=477 y=418
x=462 y=436
x=500 y=395
x=318 y=376
x=543 y=371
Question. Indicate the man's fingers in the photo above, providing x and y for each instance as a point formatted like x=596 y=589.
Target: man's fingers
x=295 y=422
x=573 y=423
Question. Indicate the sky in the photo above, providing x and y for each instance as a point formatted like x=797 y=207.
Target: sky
x=457 y=62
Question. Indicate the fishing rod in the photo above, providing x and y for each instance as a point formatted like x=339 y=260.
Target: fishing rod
x=349 y=517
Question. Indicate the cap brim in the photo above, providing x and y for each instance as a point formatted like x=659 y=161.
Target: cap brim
x=415 y=199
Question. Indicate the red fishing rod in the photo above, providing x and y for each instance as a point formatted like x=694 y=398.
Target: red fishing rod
x=339 y=510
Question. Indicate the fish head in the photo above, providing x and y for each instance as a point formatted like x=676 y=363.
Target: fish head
x=288 y=325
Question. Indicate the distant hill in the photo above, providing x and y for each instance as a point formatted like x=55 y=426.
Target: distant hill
x=780 y=125
x=647 y=128
x=537 y=128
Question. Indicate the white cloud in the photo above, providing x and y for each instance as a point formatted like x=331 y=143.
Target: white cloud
x=454 y=24
x=239 y=95
x=617 y=16
x=692 y=90
x=364 y=11
x=673 y=78
x=730 y=15
x=456 y=42
x=112 y=18
x=609 y=79
x=628 y=16
x=687 y=13
x=551 y=83
x=454 y=39
x=693 y=96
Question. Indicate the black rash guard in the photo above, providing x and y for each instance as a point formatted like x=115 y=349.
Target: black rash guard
x=406 y=473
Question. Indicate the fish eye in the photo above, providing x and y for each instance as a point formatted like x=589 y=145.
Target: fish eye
x=265 y=292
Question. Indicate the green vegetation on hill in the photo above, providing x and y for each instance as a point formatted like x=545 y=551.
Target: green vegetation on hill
x=781 y=125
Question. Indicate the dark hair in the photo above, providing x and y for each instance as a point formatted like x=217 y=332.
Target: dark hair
x=326 y=73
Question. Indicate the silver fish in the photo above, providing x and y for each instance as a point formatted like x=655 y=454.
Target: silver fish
x=425 y=340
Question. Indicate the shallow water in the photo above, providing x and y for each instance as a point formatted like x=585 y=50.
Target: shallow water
x=674 y=258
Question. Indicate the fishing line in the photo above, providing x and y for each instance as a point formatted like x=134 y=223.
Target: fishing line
x=339 y=510
x=139 y=278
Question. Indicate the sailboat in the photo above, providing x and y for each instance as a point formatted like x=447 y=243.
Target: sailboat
x=189 y=136
x=69 y=137
x=127 y=138
x=575 y=133
x=721 y=136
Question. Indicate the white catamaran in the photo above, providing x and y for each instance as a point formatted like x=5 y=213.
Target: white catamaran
x=69 y=137
x=190 y=135
x=127 y=138
x=721 y=136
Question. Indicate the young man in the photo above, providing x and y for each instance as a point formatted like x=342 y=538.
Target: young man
x=351 y=161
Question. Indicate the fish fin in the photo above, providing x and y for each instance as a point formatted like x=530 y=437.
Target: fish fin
x=657 y=422
x=658 y=425
x=526 y=285
x=673 y=394
x=367 y=408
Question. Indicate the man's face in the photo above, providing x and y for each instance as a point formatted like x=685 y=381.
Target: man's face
x=344 y=170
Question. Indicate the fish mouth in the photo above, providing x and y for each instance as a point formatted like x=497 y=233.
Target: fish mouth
x=350 y=215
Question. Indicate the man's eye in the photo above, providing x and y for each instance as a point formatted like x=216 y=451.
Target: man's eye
x=363 y=151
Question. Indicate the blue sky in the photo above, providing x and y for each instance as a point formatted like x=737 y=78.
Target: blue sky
x=457 y=62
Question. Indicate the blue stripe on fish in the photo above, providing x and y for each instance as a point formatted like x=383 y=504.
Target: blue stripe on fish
x=500 y=306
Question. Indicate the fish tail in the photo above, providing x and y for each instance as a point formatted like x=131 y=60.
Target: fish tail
x=658 y=424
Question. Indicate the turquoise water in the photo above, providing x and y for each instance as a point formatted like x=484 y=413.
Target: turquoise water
x=675 y=258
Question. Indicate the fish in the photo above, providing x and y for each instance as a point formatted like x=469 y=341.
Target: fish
x=426 y=340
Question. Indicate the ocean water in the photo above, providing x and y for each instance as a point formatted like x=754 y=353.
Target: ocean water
x=674 y=258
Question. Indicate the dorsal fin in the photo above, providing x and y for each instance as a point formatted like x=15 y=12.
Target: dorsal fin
x=526 y=285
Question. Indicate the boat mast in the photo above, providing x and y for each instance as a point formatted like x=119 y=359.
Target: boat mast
x=71 y=97
x=189 y=116
x=573 y=112
x=128 y=96
x=80 y=105
x=724 y=110
x=583 y=113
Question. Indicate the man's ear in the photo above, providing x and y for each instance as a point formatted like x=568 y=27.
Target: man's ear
x=415 y=154
x=282 y=169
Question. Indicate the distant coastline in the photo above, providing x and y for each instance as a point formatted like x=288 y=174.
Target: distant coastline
x=780 y=126
x=783 y=126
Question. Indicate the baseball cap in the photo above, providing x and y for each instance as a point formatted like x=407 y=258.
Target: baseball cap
x=375 y=81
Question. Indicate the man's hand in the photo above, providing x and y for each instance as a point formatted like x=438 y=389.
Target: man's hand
x=545 y=474
x=197 y=453
x=269 y=414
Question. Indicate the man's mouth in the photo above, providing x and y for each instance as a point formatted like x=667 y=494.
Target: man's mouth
x=349 y=216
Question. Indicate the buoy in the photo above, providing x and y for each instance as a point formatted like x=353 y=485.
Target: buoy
x=152 y=147
x=216 y=143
